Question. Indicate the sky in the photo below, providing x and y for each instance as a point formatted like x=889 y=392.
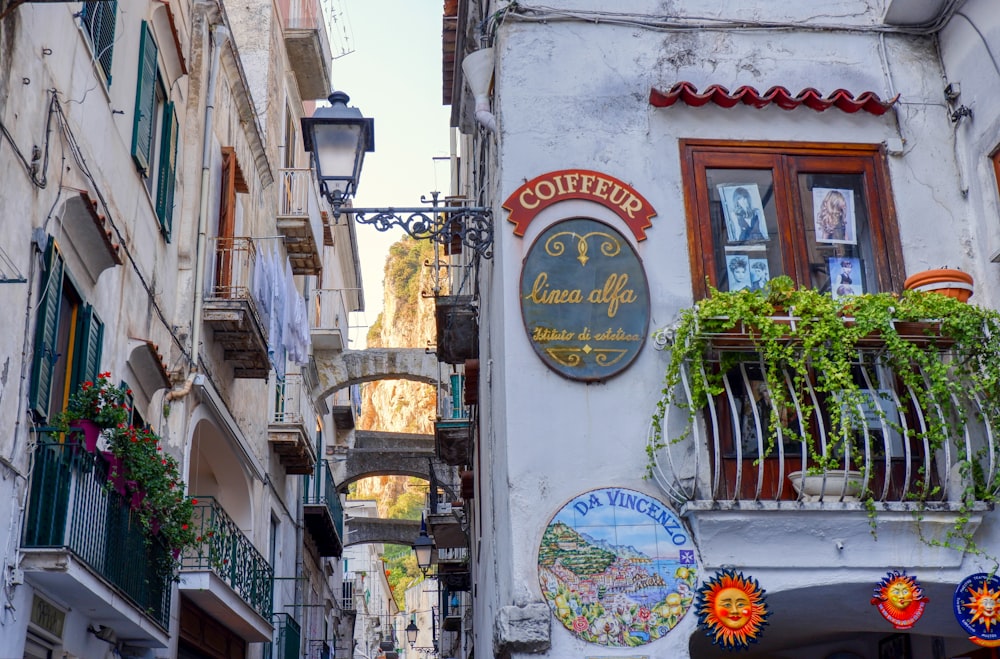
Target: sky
x=387 y=58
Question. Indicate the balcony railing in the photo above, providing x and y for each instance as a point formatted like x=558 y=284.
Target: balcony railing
x=300 y=220
x=237 y=305
x=288 y=431
x=329 y=319
x=733 y=452
x=287 y=638
x=224 y=550
x=308 y=44
x=71 y=508
x=323 y=511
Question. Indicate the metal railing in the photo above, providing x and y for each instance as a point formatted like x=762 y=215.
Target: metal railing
x=71 y=507
x=297 y=194
x=303 y=14
x=320 y=490
x=318 y=649
x=347 y=592
x=291 y=401
x=329 y=309
x=223 y=549
x=234 y=267
x=733 y=450
x=287 y=638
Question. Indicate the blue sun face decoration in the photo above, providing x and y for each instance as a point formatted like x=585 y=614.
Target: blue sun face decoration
x=731 y=609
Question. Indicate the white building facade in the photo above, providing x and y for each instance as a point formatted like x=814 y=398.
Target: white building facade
x=162 y=224
x=641 y=122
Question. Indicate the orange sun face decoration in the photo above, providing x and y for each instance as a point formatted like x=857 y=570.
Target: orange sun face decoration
x=977 y=608
x=900 y=599
x=732 y=610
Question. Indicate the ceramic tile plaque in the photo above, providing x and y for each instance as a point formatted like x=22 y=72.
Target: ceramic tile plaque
x=584 y=299
x=617 y=568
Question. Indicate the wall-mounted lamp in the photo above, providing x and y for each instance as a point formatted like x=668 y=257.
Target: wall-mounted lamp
x=338 y=138
x=423 y=547
x=411 y=633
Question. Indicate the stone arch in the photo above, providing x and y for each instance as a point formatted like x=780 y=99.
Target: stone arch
x=342 y=369
x=364 y=530
x=211 y=473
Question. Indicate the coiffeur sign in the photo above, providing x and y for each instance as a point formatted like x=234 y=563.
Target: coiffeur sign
x=547 y=189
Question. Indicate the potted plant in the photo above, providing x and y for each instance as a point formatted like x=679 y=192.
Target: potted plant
x=150 y=481
x=94 y=407
x=802 y=337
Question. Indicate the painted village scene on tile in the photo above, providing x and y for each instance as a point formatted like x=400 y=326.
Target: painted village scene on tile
x=617 y=568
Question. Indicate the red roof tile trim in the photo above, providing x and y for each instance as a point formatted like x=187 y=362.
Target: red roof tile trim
x=840 y=99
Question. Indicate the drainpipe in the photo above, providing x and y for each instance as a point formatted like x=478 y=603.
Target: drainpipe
x=220 y=34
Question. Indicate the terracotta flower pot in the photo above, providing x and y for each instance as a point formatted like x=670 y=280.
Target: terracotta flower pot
x=946 y=281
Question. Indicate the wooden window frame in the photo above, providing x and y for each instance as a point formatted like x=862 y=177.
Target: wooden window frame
x=786 y=161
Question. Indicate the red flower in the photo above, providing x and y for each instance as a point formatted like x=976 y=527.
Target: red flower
x=194 y=501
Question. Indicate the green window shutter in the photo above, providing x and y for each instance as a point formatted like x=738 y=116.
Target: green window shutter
x=145 y=102
x=46 y=333
x=87 y=351
x=99 y=18
x=167 y=170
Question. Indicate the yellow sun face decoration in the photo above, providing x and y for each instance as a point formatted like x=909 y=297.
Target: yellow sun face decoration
x=977 y=608
x=732 y=610
x=900 y=599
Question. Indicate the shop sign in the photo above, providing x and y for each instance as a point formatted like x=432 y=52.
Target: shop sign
x=977 y=608
x=584 y=299
x=900 y=599
x=47 y=617
x=732 y=609
x=543 y=191
x=617 y=568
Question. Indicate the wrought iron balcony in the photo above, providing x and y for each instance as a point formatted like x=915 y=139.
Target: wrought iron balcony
x=324 y=515
x=76 y=527
x=329 y=319
x=287 y=638
x=740 y=448
x=238 y=320
x=300 y=219
x=288 y=431
x=308 y=46
x=226 y=575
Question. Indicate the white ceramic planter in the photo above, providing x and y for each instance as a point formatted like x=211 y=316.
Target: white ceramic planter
x=835 y=485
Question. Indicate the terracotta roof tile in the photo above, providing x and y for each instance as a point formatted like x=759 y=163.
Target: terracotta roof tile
x=840 y=98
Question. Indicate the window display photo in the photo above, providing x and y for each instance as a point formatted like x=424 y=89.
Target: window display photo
x=833 y=215
x=845 y=276
x=744 y=213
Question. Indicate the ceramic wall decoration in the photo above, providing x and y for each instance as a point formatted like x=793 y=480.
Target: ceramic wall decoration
x=617 y=567
x=732 y=610
x=900 y=599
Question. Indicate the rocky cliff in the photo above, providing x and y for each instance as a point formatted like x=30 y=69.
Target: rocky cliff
x=407 y=321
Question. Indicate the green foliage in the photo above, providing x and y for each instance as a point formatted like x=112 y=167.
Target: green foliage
x=401 y=571
x=802 y=336
x=402 y=274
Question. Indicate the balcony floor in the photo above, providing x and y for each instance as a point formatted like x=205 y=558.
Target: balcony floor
x=59 y=572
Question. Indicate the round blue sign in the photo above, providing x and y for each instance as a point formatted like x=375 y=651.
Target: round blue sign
x=977 y=606
x=584 y=299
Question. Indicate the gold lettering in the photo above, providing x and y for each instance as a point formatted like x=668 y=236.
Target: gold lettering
x=559 y=185
x=542 y=294
x=632 y=204
x=523 y=199
x=588 y=180
x=571 y=181
x=602 y=188
x=551 y=190
x=618 y=199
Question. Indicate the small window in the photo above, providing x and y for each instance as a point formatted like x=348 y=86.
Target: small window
x=154 y=132
x=821 y=214
x=99 y=23
x=68 y=340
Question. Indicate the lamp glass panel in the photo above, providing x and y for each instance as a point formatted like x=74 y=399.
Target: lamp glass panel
x=337 y=148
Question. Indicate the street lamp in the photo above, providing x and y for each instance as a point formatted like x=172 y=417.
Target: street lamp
x=338 y=138
x=411 y=633
x=423 y=547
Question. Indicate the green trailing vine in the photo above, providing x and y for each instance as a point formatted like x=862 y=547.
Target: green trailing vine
x=944 y=356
